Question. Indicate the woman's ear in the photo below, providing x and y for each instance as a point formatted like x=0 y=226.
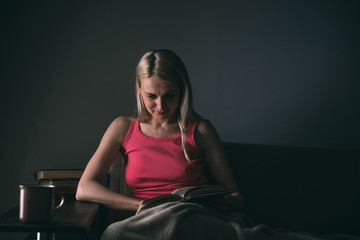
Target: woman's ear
x=138 y=85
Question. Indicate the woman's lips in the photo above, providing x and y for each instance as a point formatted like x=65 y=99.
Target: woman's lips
x=160 y=113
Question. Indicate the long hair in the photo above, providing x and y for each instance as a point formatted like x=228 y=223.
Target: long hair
x=166 y=65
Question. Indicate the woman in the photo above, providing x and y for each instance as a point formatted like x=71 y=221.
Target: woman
x=166 y=146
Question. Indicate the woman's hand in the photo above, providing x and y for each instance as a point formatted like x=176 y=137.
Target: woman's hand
x=233 y=202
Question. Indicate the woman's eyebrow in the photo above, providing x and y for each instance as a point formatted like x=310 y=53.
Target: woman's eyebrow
x=169 y=92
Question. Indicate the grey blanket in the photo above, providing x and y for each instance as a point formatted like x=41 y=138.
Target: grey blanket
x=189 y=221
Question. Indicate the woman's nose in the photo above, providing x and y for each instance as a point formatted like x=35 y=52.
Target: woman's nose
x=160 y=103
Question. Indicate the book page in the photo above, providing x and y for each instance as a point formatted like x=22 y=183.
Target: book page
x=200 y=191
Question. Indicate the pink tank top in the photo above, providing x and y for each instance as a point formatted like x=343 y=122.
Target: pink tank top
x=156 y=166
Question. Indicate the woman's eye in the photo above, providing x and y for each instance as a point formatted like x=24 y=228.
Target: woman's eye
x=151 y=96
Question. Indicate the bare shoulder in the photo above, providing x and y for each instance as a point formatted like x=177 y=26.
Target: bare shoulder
x=206 y=135
x=119 y=127
x=122 y=121
x=204 y=127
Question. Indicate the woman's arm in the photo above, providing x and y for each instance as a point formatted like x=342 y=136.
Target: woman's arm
x=90 y=187
x=214 y=154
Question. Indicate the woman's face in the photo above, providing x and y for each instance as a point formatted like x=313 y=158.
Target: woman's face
x=161 y=98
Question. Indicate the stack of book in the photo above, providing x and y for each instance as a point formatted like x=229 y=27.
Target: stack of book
x=65 y=180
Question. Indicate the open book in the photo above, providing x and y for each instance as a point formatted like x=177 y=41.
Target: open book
x=198 y=194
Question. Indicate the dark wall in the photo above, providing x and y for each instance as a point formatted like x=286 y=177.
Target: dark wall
x=267 y=72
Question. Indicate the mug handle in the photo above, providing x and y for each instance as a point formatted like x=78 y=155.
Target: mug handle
x=61 y=202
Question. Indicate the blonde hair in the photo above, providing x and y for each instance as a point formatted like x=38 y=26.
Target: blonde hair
x=166 y=65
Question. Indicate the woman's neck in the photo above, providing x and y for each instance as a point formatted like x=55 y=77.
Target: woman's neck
x=159 y=129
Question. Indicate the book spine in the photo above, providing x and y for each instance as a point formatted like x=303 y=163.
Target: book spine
x=66 y=186
x=58 y=174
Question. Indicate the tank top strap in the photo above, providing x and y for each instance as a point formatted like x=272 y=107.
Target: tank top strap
x=190 y=132
x=130 y=131
x=191 y=127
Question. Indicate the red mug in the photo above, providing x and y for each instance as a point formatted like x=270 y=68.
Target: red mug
x=37 y=203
